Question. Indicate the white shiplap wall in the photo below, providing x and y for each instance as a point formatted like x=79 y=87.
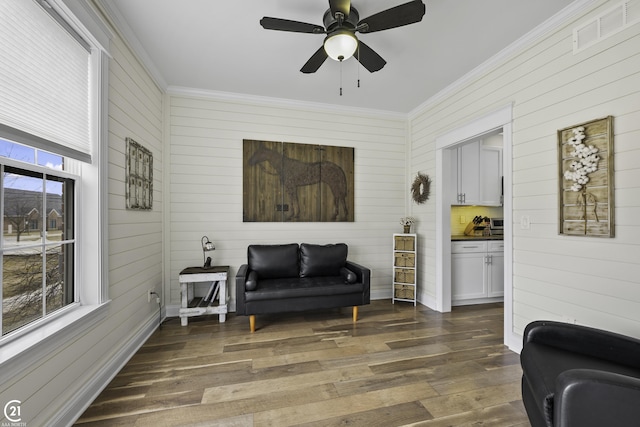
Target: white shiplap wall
x=135 y=237
x=592 y=280
x=54 y=390
x=205 y=181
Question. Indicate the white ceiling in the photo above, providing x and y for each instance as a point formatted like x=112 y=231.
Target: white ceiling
x=220 y=46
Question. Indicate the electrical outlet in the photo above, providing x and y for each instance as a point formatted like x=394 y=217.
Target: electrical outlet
x=525 y=222
x=463 y=219
x=154 y=293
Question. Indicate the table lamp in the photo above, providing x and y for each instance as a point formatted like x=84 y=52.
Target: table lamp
x=207 y=246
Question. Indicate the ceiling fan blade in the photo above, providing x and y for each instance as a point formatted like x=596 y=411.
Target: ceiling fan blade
x=343 y=6
x=369 y=58
x=405 y=14
x=288 y=25
x=316 y=60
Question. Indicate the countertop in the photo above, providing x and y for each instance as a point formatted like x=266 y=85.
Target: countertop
x=462 y=237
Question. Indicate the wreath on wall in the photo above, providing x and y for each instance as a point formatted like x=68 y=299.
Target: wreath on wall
x=420 y=188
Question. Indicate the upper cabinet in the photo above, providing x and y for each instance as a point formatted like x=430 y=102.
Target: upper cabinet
x=476 y=173
x=491 y=190
x=469 y=173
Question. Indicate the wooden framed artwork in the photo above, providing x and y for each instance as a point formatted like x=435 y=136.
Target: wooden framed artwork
x=287 y=182
x=138 y=176
x=585 y=158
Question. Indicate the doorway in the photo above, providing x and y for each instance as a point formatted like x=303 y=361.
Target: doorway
x=493 y=122
x=477 y=248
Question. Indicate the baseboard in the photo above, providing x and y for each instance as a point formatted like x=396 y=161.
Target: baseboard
x=173 y=310
x=476 y=301
x=514 y=342
x=81 y=400
x=377 y=294
x=427 y=300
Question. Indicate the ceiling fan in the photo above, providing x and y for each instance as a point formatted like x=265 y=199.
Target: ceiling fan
x=341 y=22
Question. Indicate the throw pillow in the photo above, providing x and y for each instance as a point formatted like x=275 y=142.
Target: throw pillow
x=322 y=260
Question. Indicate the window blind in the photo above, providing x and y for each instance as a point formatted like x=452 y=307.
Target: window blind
x=44 y=82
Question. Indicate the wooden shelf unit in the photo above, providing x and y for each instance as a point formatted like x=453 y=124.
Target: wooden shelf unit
x=404 y=268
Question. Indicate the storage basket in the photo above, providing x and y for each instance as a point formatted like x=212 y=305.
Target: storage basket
x=404 y=292
x=405 y=260
x=404 y=275
x=404 y=243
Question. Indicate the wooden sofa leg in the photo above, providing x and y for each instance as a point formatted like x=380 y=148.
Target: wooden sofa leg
x=252 y=323
x=355 y=313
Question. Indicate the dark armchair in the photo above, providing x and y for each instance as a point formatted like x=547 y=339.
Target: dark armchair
x=576 y=376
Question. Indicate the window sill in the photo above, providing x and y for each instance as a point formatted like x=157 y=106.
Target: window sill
x=20 y=353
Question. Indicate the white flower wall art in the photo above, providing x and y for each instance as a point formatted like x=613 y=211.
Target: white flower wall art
x=586 y=179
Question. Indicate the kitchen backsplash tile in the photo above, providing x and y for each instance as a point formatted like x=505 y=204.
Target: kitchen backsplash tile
x=469 y=212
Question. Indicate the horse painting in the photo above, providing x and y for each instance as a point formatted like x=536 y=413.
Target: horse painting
x=295 y=173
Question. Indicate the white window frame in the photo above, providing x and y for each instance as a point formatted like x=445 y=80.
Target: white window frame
x=25 y=348
x=35 y=324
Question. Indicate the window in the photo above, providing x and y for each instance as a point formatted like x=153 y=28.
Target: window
x=53 y=176
x=37 y=262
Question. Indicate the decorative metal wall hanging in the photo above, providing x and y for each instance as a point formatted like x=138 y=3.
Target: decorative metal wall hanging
x=138 y=176
x=297 y=182
x=585 y=157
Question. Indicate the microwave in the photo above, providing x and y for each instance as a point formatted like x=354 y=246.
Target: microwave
x=496 y=225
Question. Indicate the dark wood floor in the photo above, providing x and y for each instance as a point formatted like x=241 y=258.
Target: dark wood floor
x=398 y=365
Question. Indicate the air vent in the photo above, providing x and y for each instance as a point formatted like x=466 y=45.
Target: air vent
x=606 y=24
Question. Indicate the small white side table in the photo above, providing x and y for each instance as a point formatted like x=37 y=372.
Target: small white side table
x=191 y=306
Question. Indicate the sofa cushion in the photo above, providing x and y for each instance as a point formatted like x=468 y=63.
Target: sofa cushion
x=273 y=261
x=322 y=260
x=306 y=287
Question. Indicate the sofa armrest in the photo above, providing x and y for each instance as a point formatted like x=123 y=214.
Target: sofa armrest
x=585 y=340
x=592 y=398
x=364 y=276
x=241 y=279
x=362 y=273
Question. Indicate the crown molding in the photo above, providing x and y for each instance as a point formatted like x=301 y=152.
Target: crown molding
x=120 y=24
x=530 y=38
x=282 y=102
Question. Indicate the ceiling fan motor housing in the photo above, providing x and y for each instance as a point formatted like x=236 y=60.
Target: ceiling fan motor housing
x=350 y=22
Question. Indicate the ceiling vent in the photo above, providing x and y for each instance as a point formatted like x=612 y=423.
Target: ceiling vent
x=606 y=24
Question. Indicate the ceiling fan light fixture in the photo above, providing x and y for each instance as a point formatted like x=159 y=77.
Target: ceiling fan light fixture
x=340 y=45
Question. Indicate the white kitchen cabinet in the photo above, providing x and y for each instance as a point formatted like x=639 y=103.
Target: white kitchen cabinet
x=465 y=167
x=490 y=176
x=476 y=174
x=495 y=269
x=468 y=270
x=477 y=271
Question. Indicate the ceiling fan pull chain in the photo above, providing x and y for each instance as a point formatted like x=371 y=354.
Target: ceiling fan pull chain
x=358 y=53
x=340 y=78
